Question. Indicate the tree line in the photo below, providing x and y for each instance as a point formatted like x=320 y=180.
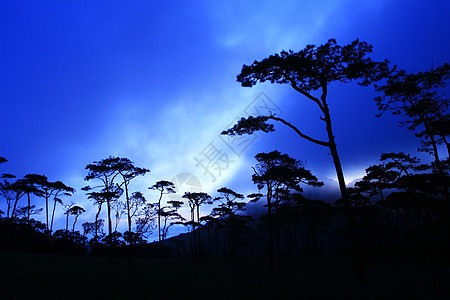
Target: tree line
x=399 y=201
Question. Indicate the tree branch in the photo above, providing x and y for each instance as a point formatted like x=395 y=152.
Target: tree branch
x=323 y=97
x=304 y=93
x=301 y=134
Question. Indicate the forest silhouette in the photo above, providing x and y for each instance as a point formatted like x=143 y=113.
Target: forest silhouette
x=392 y=227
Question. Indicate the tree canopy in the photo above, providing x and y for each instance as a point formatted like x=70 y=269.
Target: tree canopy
x=421 y=98
x=316 y=66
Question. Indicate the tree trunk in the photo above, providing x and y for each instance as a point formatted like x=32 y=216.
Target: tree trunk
x=46 y=210
x=193 y=241
x=199 y=233
x=128 y=208
x=13 y=213
x=96 y=222
x=331 y=144
x=356 y=247
x=108 y=207
x=447 y=144
x=74 y=222
x=53 y=216
x=159 y=219
x=269 y=220
x=433 y=142
x=29 y=207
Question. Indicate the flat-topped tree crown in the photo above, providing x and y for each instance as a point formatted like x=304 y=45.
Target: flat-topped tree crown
x=127 y=168
x=164 y=186
x=284 y=170
x=197 y=198
x=103 y=168
x=316 y=66
x=228 y=194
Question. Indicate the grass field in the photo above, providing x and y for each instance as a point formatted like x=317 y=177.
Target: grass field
x=41 y=276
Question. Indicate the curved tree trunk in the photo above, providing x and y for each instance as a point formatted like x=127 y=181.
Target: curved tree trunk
x=74 y=222
x=331 y=144
x=53 y=216
x=447 y=144
x=199 y=229
x=13 y=213
x=269 y=219
x=128 y=208
x=46 y=211
x=159 y=219
x=96 y=222
x=108 y=210
x=29 y=207
x=354 y=239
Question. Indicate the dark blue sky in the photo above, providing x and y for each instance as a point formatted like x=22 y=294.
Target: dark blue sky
x=155 y=81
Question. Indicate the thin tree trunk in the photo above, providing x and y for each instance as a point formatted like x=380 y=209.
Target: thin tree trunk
x=108 y=207
x=46 y=210
x=194 y=243
x=447 y=144
x=355 y=242
x=53 y=216
x=199 y=233
x=96 y=222
x=13 y=214
x=159 y=219
x=271 y=248
x=164 y=232
x=74 y=222
x=433 y=142
x=29 y=207
x=108 y=185
x=128 y=208
x=428 y=130
x=356 y=247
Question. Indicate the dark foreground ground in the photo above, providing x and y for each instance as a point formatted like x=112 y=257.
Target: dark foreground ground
x=40 y=276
